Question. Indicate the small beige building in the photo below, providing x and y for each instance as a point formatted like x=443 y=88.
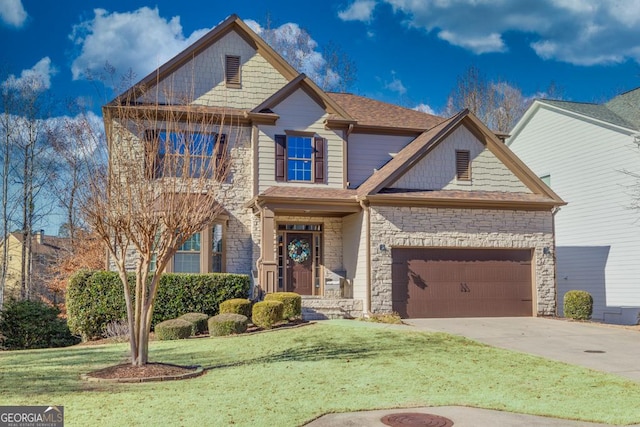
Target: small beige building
x=359 y=205
x=44 y=252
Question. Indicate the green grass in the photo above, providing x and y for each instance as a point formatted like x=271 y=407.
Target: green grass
x=288 y=377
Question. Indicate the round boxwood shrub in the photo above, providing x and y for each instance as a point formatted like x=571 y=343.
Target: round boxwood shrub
x=237 y=306
x=198 y=322
x=578 y=305
x=291 y=301
x=173 y=329
x=227 y=324
x=265 y=314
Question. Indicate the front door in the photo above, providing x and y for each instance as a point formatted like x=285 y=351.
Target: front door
x=299 y=263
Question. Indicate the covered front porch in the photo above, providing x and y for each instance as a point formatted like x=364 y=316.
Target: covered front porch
x=307 y=246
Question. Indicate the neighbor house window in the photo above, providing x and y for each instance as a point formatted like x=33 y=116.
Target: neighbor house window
x=546 y=179
x=463 y=165
x=185 y=154
x=232 y=71
x=300 y=158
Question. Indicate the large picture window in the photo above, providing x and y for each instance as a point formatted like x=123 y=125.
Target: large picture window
x=203 y=252
x=185 y=154
x=300 y=158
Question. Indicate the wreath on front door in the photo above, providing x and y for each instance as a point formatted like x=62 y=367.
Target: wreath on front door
x=299 y=250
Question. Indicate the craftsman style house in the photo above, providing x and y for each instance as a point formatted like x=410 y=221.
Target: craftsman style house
x=359 y=205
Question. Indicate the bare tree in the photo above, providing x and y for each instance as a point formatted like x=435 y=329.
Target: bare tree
x=154 y=188
x=498 y=104
x=27 y=164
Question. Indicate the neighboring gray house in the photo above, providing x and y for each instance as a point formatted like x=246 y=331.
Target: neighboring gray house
x=589 y=154
x=359 y=205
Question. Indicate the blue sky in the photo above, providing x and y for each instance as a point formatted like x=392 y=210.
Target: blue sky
x=407 y=51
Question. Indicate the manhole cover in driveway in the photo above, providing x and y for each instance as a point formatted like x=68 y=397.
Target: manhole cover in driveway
x=415 y=419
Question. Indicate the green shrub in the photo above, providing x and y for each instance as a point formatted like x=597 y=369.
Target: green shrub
x=33 y=324
x=265 y=314
x=578 y=305
x=237 y=306
x=96 y=298
x=227 y=324
x=173 y=329
x=198 y=322
x=291 y=301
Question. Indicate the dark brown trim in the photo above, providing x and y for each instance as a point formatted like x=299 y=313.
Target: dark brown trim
x=456 y=203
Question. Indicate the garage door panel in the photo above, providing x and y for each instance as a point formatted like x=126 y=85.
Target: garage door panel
x=461 y=283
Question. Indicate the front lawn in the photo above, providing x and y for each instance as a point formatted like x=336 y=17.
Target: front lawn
x=289 y=377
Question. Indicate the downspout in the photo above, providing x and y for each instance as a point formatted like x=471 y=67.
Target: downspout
x=554 y=211
x=366 y=309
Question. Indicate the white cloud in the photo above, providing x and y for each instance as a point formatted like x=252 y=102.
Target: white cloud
x=36 y=78
x=359 y=10
x=424 y=108
x=395 y=85
x=297 y=46
x=141 y=41
x=12 y=13
x=584 y=32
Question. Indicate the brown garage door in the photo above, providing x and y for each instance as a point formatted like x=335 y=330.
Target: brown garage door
x=461 y=282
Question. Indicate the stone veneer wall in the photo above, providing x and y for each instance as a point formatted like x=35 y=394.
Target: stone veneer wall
x=233 y=194
x=461 y=228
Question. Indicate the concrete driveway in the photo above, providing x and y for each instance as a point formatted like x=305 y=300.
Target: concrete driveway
x=601 y=347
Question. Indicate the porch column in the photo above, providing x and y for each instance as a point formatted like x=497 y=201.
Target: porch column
x=269 y=267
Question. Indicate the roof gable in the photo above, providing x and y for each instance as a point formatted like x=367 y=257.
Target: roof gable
x=310 y=88
x=233 y=24
x=423 y=145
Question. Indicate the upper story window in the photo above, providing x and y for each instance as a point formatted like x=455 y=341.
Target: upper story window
x=300 y=158
x=185 y=154
x=232 y=71
x=463 y=165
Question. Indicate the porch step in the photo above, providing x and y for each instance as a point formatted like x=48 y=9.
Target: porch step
x=318 y=308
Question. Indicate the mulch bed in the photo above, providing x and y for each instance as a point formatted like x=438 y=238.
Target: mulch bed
x=149 y=372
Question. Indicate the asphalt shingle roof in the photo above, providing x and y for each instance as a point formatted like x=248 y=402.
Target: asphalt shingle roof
x=623 y=110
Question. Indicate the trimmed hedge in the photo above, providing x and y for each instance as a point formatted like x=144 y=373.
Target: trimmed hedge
x=173 y=329
x=265 y=314
x=292 y=303
x=198 y=322
x=227 y=324
x=95 y=298
x=33 y=324
x=237 y=306
x=578 y=305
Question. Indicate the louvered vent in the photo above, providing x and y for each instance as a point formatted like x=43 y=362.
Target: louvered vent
x=463 y=165
x=232 y=71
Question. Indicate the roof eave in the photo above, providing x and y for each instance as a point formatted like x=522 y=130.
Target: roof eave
x=456 y=202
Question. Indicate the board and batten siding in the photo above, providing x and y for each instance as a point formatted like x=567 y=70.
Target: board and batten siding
x=366 y=153
x=437 y=170
x=586 y=162
x=299 y=113
x=201 y=80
